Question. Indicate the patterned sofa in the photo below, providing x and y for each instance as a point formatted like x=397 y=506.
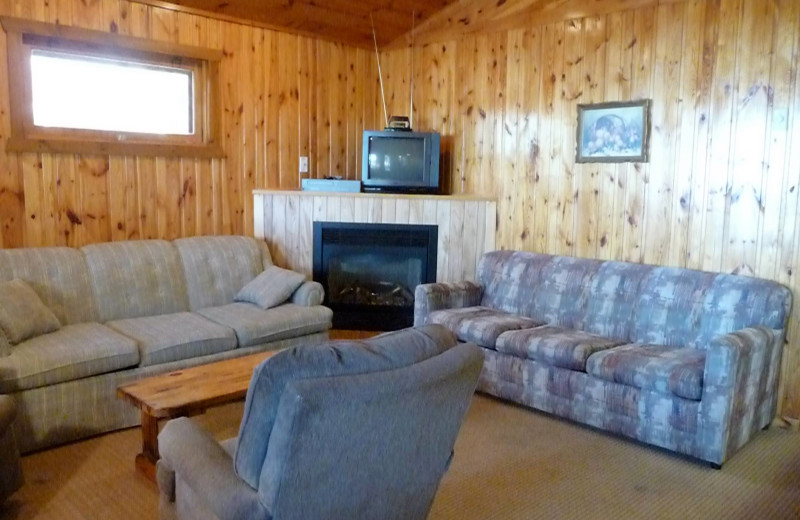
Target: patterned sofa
x=132 y=309
x=681 y=359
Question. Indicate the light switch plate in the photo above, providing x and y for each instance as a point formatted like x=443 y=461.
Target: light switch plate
x=303 y=164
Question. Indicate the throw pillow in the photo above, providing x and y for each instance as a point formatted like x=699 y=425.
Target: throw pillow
x=272 y=287
x=22 y=313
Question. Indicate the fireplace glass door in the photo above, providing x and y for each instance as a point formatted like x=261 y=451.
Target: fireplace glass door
x=370 y=271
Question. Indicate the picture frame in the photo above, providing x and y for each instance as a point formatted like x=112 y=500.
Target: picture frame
x=613 y=132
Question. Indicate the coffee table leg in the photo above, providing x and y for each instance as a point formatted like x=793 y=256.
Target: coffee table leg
x=146 y=460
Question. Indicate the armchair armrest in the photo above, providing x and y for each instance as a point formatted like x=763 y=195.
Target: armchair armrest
x=431 y=297
x=194 y=457
x=739 y=389
x=308 y=294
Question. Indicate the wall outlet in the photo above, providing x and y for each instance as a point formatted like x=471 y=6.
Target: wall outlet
x=303 y=164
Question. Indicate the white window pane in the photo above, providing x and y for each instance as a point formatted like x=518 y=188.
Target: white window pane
x=71 y=91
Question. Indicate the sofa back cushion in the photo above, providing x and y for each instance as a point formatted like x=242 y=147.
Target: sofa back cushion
x=670 y=306
x=384 y=352
x=612 y=299
x=629 y=301
x=738 y=302
x=59 y=277
x=217 y=267
x=562 y=295
x=136 y=278
x=510 y=279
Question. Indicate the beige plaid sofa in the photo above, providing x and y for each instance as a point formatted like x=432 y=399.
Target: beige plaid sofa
x=134 y=309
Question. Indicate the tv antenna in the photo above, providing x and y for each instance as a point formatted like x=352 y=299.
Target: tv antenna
x=380 y=74
x=411 y=103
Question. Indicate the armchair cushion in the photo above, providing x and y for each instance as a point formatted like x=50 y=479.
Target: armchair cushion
x=172 y=337
x=481 y=325
x=668 y=370
x=270 y=288
x=384 y=352
x=22 y=313
x=557 y=346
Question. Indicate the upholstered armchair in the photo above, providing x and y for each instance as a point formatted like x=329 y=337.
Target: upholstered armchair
x=343 y=430
x=10 y=470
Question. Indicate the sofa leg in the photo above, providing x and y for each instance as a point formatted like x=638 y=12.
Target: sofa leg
x=714 y=465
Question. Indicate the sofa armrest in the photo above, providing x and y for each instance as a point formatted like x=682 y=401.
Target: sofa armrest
x=740 y=385
x=190 y=453
x=431 y=297
x=309 y=294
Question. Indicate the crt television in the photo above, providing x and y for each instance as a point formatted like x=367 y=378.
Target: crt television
x=396 y=161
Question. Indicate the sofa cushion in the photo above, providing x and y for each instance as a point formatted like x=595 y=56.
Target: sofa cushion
x=557 y=346
x=22 y=313
x=136 y=278
x=255 y=326
x=270 y=288
x=217 y=267
x=385 y=352
x=667 y=370
x=58 y=275
x=172 y=337
x=480 y=325
x=72 y=352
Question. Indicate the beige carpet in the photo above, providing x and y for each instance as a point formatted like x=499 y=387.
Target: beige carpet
x=511 y=463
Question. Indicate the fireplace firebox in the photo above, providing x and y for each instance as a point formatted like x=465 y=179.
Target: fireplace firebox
x=370 y=271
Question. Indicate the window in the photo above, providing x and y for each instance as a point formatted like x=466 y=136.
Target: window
x=80 y=91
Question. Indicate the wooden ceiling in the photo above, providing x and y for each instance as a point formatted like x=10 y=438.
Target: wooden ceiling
x=346 y=21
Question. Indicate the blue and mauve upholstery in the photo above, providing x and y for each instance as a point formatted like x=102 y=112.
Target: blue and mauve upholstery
x=346 y=429
x=480 y=325
x=681 y=359
x=669 y=370
x=557 y=346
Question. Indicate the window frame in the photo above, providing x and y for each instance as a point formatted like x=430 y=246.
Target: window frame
x=24 y=36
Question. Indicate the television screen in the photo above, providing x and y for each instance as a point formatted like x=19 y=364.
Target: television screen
x=400 y=160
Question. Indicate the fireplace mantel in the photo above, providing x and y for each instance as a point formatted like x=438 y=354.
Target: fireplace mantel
x=285 y=219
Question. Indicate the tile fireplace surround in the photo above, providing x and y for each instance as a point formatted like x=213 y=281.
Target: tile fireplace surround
x=466 y=224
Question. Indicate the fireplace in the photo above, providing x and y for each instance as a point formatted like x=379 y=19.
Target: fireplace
x=370 y=271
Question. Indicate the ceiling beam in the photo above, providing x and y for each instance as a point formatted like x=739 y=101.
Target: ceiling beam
x=473 y=16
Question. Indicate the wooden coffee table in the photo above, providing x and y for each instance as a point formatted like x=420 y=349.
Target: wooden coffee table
x=185 y=392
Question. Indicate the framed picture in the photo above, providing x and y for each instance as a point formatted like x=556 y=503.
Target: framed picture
x=613 y=132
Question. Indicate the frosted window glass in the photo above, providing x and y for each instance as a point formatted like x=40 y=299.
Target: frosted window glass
x=79 y=92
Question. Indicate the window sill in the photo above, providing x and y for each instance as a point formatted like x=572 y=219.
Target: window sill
x=204 y=151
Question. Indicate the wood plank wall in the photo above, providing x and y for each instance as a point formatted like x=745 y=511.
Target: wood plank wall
x=720 y=192
x=282 y=96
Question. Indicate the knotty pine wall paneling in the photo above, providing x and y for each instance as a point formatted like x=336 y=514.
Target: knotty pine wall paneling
x=720 y=192
x=282 y=95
